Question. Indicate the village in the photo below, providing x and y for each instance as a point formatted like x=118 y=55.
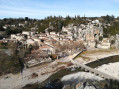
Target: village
x=59 y=44
x=42 y=54
x=72 y=39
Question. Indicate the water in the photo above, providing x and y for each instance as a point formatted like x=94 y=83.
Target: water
x=102 y=61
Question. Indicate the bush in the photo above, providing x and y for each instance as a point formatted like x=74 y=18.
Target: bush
x=100 y=38
x=53 y=56
x=112 y=41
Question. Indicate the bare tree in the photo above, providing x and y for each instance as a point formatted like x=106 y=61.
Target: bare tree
x=3 y=62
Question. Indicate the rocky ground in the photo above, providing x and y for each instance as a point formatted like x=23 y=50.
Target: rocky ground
x=111 y=69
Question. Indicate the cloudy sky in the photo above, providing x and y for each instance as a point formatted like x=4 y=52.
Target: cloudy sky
x=42 y=8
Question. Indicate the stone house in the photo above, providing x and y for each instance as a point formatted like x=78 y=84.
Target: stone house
x=17 y=37
x=105 y=44
x=48 y=49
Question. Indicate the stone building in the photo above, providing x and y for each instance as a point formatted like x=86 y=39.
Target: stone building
x=87 y=33
x=90 y=32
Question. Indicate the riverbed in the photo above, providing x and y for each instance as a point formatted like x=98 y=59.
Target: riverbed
x=52 y=73
x=58 y=75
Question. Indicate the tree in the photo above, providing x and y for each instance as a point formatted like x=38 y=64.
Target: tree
x=1 y=28
x=26 y=18
x=41 y=29
x=68 y=17
x=60 y=25
x=2 y=63
x=8 y=31
x=108 y=19
x=100 y=38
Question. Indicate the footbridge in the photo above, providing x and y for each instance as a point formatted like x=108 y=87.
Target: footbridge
x=92 y=70
x=96 y=72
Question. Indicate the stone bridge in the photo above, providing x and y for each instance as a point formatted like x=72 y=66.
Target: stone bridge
x=92 y=70
x=96 y=72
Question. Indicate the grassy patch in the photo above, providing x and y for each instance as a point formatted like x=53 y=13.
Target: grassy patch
x=60 y=63
x=82 y=55
x=98 y=51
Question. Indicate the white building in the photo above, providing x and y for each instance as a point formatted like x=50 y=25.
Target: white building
x=105 y=44
x=17 y=37
x=30 y=42
x=26 y=33
x=20 y=24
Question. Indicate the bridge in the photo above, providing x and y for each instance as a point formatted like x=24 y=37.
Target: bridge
x=92 y=70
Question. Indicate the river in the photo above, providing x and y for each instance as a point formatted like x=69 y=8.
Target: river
x=53 y=80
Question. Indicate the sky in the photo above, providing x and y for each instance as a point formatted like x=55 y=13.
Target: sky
x=40 y=9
